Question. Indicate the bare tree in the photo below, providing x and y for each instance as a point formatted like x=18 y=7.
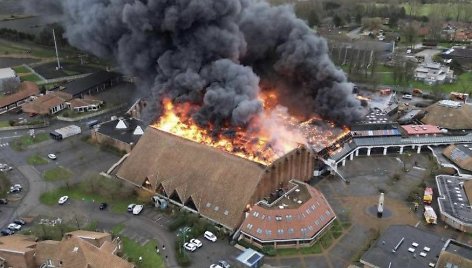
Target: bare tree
x=10 y=84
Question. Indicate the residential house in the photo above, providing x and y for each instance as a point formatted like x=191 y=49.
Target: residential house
x=77 y=249
x=48 y=104
x=87 y=104
x=434 y=73
x=24 y=93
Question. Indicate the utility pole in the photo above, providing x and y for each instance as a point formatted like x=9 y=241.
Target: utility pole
x=57 y=52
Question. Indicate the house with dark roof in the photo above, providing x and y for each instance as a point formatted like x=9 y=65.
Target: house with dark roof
x=120 y=133
x=91 y=84
x=404 y=246
x=25 y=92
x=296 y=218
x=455 y=254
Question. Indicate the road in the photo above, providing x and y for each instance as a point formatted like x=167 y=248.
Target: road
x=83 y=160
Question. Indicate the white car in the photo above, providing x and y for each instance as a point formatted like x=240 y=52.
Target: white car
x=137 y=209
x=131 y=207
x=190 y=246
x=196 y=242
x=63 y=200
x=210 y=236
x=52 y=156
x=215 y=266
x=14 y=227
x=407 y=97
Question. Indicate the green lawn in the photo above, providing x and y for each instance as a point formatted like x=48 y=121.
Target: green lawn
x=132 y=251
x=83 y=192
x=36 y=159
x=4 y=123
x=57 y=174
x=21 y=70
x=22 y=143
x=30 y=77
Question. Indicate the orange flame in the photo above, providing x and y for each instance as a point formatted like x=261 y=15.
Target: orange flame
x=267 y=137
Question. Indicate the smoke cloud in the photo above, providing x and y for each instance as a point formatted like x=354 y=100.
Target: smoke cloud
x=214 y=53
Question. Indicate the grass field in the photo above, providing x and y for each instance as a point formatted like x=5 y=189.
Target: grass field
x=4 y=123
x=36 y=159
x=57 y=174
x=150 y=258
x=21 y=70
x=81 y=192
x=30 y=77
x=22 y=143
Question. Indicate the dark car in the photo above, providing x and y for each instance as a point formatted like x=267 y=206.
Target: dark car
x=3 y=201
x=7 y=231
x=103 y=206
x=19 y=221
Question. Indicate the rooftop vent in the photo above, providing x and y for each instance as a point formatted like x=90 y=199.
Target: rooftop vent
x=138 y=131
x=278 y=218
x=121 y=124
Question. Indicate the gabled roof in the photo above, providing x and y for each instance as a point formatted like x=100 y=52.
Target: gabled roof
x=81 y=85
x=74 y=103
x=43 y=104
x=20 y=243
x=27 y=89
x=220 y=184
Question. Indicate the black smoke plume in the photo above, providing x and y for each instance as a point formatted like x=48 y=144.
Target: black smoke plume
x=214 y=53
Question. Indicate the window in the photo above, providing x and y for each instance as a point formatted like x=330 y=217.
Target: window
x=217 y=208
x=290 y=230
x=226 y=212
x=259 y=231
x=208 y=205
x=249 y=226
x=255 y=214
x=328 y=213
x=280 y=231
x=288 y=217
x=268 y=232
x=317 y=222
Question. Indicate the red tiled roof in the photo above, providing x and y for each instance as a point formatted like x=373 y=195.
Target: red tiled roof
x=272 y=224
x=421 y=129
x=27 y=89
x=42 y=104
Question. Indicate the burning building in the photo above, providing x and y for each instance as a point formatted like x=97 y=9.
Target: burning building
x=216 y=184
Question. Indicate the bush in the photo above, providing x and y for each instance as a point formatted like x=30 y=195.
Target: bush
x=269 y=251
x=182 y=257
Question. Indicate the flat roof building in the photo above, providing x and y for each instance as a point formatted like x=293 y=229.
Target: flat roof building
x=91 y=84
x=418 y=130
x=455 y=255
x=454 y=202
x=7 y=73
x=404 y=246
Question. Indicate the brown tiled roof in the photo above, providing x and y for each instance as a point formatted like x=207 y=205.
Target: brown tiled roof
x=42 y=104
x=27 y=89
x=460 y=155
x=450 y=118
x=45 y=250
x=17 y=242
x=89 y=235
x=75 y=252
x=83 y=102
x=220 y=184
x=302 y=223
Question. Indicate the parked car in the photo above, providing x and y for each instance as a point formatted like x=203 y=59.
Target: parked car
x=19 y=221
x=215 y=266
x=137 y=209
x=63 y=200
x=407 y=96
x=103 y=206
x=7 y=231
x=224 y=264
x=190 y=246
x=196 y=242
x=14 y=226
x=52 y=156
x=3 y=201
x=210 y=236
x=131 y=207
x=16 y=188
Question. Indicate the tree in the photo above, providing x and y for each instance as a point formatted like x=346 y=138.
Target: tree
x=337 y=21
x=410 y=34
x=10 y=84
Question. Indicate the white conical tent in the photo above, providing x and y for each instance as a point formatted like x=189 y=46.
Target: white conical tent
x=121 y=124
x=138 y=131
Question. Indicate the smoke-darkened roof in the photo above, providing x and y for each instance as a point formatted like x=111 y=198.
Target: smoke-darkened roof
x=81 y=85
